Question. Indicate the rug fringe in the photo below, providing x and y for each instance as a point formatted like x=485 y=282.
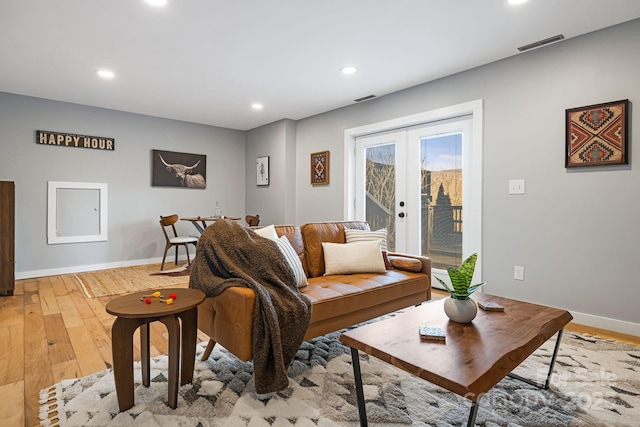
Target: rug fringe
x=84 y=287
x=49 y=404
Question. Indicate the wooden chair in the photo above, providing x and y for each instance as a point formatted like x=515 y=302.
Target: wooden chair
x=252 y=220
x=169 y=221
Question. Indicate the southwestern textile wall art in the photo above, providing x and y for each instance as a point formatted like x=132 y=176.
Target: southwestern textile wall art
x=597 y=135
x=320 y=168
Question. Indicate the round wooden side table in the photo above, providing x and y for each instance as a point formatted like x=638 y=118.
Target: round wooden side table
x=134 y=313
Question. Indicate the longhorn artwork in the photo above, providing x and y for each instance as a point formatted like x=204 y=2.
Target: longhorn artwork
x=172 y=169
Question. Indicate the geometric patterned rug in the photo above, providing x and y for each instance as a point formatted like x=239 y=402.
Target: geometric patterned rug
x=596 y=382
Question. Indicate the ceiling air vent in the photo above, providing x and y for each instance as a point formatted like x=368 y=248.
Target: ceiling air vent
x=541 y=43
x=365 y=98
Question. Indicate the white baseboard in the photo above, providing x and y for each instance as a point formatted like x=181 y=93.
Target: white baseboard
x=606 y=323
x=92 y=267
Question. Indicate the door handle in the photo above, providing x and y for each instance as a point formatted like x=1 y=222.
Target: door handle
x=401 y=214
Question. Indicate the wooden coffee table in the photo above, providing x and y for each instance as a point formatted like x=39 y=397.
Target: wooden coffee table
x=133 y=314
x=475 y=356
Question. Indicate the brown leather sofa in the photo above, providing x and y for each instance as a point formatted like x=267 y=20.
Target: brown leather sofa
x=338 y=301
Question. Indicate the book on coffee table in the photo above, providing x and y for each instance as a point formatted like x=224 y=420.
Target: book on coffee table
x=431 y=333
x=490 y=306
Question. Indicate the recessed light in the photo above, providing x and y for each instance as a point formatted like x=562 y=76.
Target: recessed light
x=105 y=74
x=348 y=69
x=256 y=106
x=517 y=1
x=157 y=3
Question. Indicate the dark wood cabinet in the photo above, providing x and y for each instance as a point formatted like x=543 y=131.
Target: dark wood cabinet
x=7 y=237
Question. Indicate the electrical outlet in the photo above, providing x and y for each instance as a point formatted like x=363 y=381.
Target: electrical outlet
x=518 y=272
x=516 y=186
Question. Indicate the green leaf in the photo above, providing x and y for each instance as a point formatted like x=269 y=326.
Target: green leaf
x=461 y=278
x=443 y=283
x=458 y=280
x=474 y=288
x=468 y=267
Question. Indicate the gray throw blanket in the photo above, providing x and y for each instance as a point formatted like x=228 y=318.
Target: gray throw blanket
x=230 y=255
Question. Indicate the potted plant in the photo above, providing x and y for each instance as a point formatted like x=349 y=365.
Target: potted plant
x=460 y=307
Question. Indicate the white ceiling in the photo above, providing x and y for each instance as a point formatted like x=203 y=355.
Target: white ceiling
x=207 y=61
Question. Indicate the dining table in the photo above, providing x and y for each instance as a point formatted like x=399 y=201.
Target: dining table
x=201 y=222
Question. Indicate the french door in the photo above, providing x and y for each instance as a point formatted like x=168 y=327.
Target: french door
x=413 y=181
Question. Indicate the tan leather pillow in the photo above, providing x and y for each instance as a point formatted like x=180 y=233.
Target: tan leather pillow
x=405 y=263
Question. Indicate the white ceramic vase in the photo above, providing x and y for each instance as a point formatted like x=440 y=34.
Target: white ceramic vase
x=460 y=310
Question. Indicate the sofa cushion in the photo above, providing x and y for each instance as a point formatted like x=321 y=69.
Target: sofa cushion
x=365 y=235
x=352 y=236
x=268 y=232
x=338 y=294
x=313 y=234
x=292 y=259
x=295 y=238
x=349 y=258
x=405 y=263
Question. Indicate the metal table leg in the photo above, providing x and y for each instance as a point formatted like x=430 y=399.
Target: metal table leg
x=544 y=386
x=472 y=414
x=362 y=411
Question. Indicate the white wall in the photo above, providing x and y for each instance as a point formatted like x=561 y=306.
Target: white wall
x=134 y=205
x=575 y=231
x=274 y=203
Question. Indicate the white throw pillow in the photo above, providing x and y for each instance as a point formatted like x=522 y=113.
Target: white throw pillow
x=349 y=258
x=293 y=260
x=268 y=232
x=353 y=236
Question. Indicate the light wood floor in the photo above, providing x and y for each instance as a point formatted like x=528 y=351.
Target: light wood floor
x=49 y=331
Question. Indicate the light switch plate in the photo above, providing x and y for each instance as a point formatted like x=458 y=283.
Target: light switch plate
x=518 y=272
x=516 y=186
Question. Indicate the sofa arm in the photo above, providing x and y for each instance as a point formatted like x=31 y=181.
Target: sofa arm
x=228 y=320
x=426 y=262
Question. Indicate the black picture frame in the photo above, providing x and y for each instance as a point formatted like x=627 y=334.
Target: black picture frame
x=174 y=169
x=262 y=171
x=597 y=135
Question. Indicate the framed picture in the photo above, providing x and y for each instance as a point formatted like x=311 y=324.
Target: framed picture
x=597 y=135
x=320 y=168
x=172 y=169
x=262 y=171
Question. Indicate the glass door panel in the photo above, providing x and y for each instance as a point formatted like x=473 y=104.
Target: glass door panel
x=380 y=185
x=441 y=199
